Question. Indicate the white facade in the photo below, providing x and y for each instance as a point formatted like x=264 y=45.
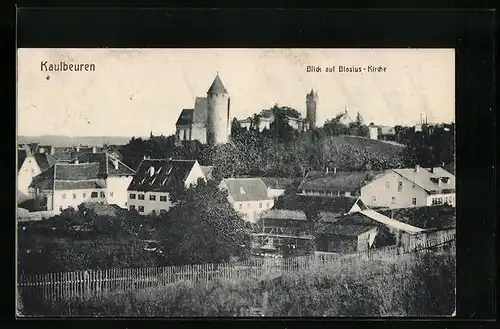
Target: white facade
x=28 y=170
x=394 y=191
x=373 y=132
x=147 y=203
x=116 y=190
x=218 y=118
x=251 y=210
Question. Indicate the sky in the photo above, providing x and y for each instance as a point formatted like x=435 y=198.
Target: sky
x=133 y=92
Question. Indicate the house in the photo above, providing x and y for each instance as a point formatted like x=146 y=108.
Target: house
x=92 y=177
x=118 y=175
x=350 y=234
x=276 y=186
x=282 y=221
x=248 y=196
x=334 y=183
x=410 y=187
x=30 y=165
x=156 y=179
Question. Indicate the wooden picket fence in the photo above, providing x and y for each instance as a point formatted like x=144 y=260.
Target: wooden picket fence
x=51 y=287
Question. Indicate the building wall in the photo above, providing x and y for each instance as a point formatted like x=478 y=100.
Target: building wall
x=194 y=175
x=116 y=190
x=379 y=193
x=366 y=238
x=25 y=175
x=199 y=133
x=373 y=132
x=217 y=123
x=149 y=205
x=251 y=210
x=184 y=133
x=63 y=199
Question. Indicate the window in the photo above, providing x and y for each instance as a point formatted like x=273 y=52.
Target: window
x=400 y=186
x=74 y=195
x=84 y=195
x=386 y=184
x=347 y=193
x=260 y=205
x=110 y=193
x=64 y=196
x=374 y=199
x=140 y=196
x=103 y=195
x=163 y=198
x=437 y=201
x=414 y=201
x=152 y=197
x=132 y=196
x=141 y=208
x=393 y=200
x=131 y=207
x=94 y=195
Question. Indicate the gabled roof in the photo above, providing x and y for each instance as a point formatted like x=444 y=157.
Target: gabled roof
x=21 y=156
x=284 y=214
x=434 y=217
x=200 y=110
x=217 y=87
x=246 y=189
x=392 y=223
x=160 y=175
x=44 y=161
x=277 y=182
x=185 y=118
x=336 y=182
x=428 y=180
x=63 y=176
x=106 y=163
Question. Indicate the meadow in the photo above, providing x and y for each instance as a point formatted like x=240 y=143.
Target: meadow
x=418 y=284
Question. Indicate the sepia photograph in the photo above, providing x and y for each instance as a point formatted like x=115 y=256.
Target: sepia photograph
x=235 y=182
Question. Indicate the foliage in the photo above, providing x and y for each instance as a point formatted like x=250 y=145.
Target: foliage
x=202 y=227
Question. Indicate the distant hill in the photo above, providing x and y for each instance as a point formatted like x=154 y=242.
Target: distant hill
x=61 y=140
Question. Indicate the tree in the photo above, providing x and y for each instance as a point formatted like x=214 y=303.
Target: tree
x=203 y=227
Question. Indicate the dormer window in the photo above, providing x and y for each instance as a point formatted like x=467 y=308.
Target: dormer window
x=151 y=171
x=445 y=179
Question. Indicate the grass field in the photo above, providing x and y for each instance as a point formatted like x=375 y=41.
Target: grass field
x=410 y=285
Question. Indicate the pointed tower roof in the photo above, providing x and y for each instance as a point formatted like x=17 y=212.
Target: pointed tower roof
x=217 y=86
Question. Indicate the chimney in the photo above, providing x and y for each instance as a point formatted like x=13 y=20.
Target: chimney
x=115 y=163
x=76 y=161
x=78 y=148
x=41 y=150
x=52 y=150
x=442 y=164
x=417 y=168
x=94 y=149
x=432 y=169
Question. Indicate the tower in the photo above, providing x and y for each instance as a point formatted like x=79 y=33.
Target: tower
x=311 y=104
x=218 y=105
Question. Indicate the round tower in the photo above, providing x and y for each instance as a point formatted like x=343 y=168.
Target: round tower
x=218 y=105
x=311 y=104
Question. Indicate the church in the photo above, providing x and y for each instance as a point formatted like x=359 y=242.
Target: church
x=209 y=120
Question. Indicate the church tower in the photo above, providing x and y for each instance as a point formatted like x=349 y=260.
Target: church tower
x=311 y=104
x=218 y=104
